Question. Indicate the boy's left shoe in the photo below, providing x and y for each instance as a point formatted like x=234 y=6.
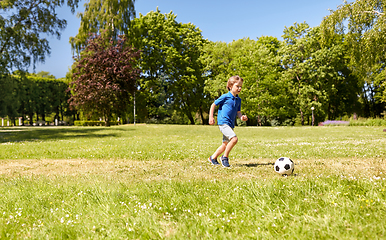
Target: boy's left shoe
x=213 y=161
x=225 y=161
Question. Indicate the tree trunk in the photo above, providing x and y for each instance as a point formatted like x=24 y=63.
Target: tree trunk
x=31 y=121
x=204 y=122
x=190 y=116
x=329 y=112
x=107 y=120
x=61 y=112
x=57 y=113
x=22 y=114
x=302 y=116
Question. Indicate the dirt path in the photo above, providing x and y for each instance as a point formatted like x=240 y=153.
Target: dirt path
x=200 y=169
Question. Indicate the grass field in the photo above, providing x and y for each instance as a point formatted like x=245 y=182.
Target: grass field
x=155 y=182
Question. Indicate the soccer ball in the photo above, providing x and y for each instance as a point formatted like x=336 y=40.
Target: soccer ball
x=284 y=166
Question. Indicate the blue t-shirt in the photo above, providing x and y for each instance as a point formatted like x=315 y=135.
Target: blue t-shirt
x=229 y=105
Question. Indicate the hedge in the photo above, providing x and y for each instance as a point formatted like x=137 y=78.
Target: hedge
x=92 y=123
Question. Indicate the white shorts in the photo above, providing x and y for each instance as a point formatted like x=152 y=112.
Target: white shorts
x=227 y=132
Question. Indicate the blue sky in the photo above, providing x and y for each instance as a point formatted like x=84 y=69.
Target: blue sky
x=223 y=20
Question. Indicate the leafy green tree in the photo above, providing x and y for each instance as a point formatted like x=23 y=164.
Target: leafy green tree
x=22 y=23
x=317 y=74
x=110 y=17
x=104 y=77
x=30 y=95
x=264 y=92
x=42 y=74
x=170 y=63
x=217 y=57
x=257 y=63
x=9 y=101
x=41 y=96
x=362 y=24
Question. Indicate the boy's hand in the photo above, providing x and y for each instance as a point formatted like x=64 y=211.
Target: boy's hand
x=244 y=118
x=211 y=121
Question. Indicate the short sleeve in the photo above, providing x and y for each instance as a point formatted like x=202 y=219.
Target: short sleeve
x=220 y=100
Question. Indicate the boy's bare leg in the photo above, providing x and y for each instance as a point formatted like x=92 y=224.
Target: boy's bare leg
x=219 y=150
x=230 y=145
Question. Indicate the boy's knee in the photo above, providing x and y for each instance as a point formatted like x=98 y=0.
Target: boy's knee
x=234 y=140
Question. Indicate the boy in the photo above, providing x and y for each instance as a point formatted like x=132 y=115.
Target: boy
x=229 y=108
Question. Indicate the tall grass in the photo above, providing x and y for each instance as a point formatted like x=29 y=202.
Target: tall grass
x=154 y=182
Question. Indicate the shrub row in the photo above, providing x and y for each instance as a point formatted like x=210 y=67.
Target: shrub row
x=92 y=123
x=369 y=122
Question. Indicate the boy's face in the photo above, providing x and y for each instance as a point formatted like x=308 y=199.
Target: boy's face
x=236 y=88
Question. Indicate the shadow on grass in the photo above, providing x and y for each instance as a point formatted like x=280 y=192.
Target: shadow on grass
x=254 y=164
x=22 y=134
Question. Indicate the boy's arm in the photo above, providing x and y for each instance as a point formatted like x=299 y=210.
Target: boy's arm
x=211 y=113
x=241 y=116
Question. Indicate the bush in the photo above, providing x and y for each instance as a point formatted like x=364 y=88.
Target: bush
x=369 y=122
x=241 y=123
x=92 y=123
x=288 y=122
x=275 y=123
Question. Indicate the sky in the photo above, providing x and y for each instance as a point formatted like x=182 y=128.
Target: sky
x=224 y=20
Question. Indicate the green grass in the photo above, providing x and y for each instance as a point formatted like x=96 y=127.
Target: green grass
x=175 y=142
x=154 y=182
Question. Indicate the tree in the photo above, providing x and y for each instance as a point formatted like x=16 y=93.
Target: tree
x=110 y=17
x=257 y=63
x=217 y=57
x=171 y=65
x=9 y=101
x=362 y=25
x=22 y=23
x=104 y=77
x=25 y=94
x=318 y=75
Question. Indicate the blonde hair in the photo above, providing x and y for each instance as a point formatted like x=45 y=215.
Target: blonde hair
x=232 y=80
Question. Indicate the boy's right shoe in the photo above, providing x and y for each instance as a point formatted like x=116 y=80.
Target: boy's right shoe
x=225 y=161
x=213 y=161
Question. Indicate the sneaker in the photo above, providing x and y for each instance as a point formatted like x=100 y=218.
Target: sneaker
x=225 y=161
x=213 y=161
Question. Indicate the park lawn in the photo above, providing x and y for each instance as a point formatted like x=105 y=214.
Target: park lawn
x=155 y=182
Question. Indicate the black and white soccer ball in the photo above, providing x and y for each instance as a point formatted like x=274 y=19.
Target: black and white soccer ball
x=284 y=166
